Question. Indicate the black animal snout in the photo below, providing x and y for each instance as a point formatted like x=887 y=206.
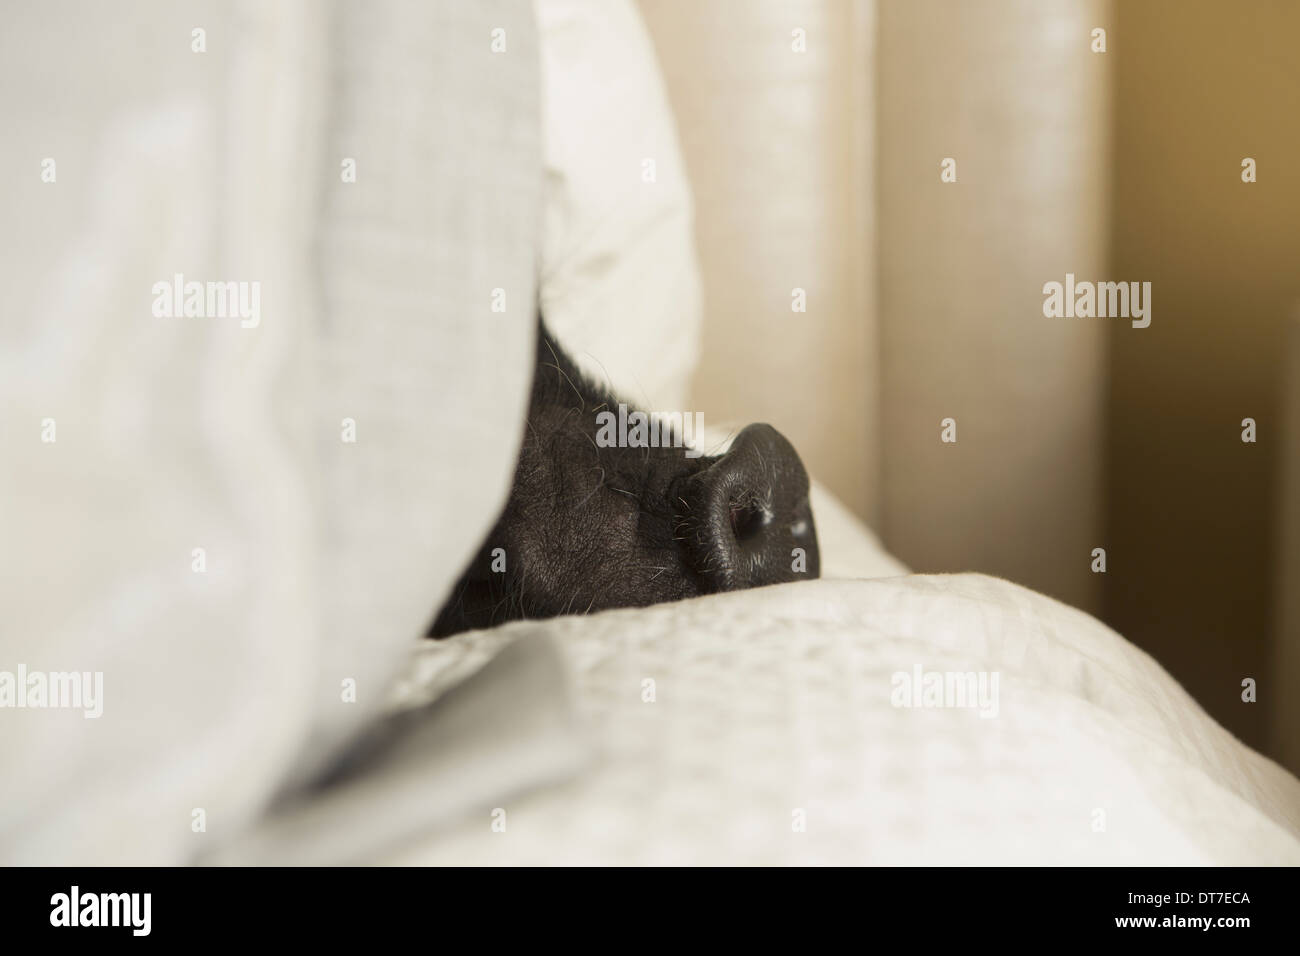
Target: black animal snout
x=591 y=524
x=745 y=519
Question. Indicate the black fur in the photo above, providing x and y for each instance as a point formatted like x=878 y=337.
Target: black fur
x=588 y=528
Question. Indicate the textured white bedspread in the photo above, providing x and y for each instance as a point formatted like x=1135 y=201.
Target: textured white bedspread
x=772 y=738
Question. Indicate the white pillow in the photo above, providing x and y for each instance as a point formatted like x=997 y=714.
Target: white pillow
x=619 y=280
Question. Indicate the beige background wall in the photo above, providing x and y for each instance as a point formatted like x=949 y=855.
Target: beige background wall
x=1011 y=91
x=779 y=146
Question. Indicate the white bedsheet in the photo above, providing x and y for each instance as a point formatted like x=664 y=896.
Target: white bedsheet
x=776 y=703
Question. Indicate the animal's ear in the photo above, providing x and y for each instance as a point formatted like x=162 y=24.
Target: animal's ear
x=746 y=514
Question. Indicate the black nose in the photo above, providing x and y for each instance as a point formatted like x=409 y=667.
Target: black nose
x=745 y=519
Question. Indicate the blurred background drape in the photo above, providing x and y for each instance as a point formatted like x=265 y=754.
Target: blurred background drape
x=1284 y=707
x=778 y=148
x=1193 y=512
x=813 y=132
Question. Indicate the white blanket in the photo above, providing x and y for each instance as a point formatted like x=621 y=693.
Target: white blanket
x=774 y=736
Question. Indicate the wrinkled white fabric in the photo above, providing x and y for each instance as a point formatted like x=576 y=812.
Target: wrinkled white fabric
x=769 y=735
x=322 y=560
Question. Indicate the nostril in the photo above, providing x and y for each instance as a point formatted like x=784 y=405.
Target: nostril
x=748 y=521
